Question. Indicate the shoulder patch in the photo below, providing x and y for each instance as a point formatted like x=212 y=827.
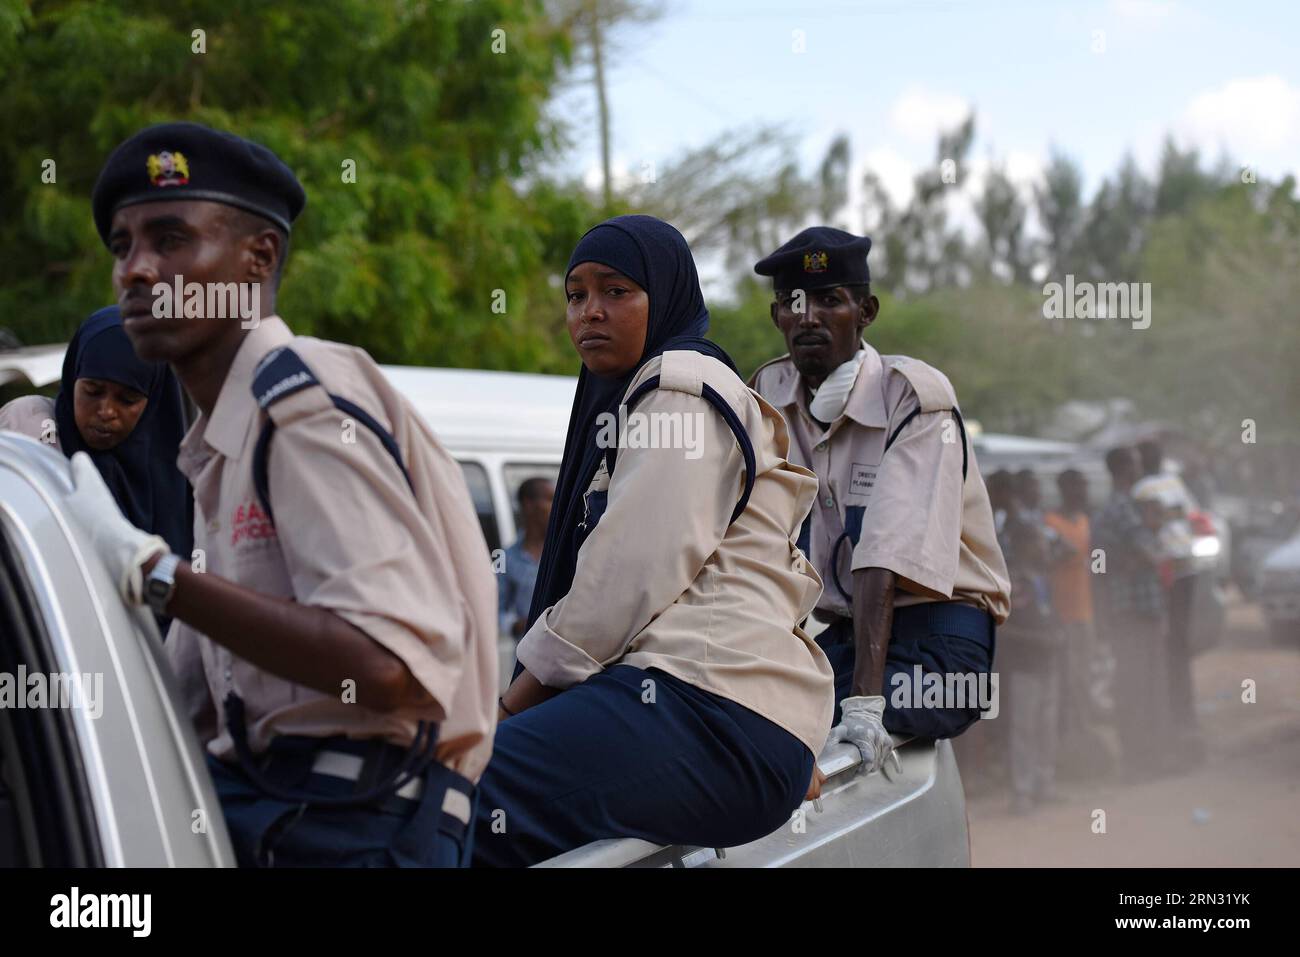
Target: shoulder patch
x=682 y=371
x=280 y=373
x=931 y=386
x=770 y=363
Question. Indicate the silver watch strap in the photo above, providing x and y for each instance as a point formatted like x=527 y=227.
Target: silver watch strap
x=160 y=584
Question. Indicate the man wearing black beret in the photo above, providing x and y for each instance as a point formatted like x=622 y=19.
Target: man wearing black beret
x=335 y=628
x=901 y=533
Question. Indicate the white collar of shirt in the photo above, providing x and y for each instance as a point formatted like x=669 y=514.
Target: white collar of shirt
x=227 y=428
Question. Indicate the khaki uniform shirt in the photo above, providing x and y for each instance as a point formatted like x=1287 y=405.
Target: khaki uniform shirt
x=33 y=416
x=409 y=570
x=916 y=515
x=663 y=582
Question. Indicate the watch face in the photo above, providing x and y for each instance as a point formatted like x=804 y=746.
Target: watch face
x=158 y=586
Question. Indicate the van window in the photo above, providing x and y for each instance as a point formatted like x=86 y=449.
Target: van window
x=481 y=492
x=516 y=474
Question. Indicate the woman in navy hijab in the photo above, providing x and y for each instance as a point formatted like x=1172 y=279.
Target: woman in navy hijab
x=127 y=415
x=665 y=691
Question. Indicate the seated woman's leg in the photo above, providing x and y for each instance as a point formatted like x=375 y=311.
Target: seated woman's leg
x=635 y=753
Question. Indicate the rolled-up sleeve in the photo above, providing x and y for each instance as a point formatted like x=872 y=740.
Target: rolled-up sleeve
x=913 y=522
x=356 y=542
x=665 y=516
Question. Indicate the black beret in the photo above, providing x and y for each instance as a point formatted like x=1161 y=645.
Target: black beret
x=817 y=258
x=181 y=161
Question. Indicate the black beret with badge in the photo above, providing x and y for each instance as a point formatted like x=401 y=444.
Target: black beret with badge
x=818 y=258
x=186 y=161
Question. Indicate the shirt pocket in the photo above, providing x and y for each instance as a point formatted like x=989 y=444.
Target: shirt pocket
x=857 y=485
x=594 y=502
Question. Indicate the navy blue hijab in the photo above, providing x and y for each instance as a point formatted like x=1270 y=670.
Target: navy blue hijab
x=655 y=256
x=141 y=472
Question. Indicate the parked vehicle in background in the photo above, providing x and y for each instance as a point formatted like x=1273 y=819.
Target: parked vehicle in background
x=1259 y=527
x=1279 y=590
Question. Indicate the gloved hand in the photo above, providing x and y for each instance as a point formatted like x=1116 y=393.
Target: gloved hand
x=122 y=547
x=861 y=725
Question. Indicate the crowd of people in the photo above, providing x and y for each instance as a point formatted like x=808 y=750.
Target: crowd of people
x=1098 y=637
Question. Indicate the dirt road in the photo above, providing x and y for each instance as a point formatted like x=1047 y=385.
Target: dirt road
x=1240 y=807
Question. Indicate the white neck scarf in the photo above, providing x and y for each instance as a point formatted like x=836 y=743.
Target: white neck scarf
x=832 y=396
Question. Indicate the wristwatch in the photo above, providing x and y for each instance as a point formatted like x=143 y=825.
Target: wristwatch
x=160 y=584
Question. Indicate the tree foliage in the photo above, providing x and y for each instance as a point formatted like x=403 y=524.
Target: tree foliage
x=441 y=115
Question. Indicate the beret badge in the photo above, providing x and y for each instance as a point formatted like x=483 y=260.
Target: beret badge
x=815 y=262
x=168 y=168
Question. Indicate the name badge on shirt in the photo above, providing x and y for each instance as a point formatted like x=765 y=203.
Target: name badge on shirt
x=862 y=479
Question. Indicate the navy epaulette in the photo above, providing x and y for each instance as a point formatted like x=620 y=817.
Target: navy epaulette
x=280 y=374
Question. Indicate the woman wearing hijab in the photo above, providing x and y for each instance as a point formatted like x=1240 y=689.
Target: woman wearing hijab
x=666 y=691
x=126 y=414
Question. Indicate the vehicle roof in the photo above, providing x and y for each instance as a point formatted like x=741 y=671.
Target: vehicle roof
x=470 y=409
x=1003 y=444
x=38 y=365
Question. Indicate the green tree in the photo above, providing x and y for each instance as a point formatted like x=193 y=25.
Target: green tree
x=1224 y=344
x=437 y=107
x=1059 y=201
x=1001 y=213
x=1116 y=226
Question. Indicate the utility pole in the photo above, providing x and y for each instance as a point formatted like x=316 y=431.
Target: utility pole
x=602 y=101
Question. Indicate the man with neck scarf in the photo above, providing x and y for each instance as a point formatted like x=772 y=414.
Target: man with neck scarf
x=666 y=691
x=127 y=415
x=902 y=532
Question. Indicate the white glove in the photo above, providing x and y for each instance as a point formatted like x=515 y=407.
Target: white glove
x=122 y=547
x=861 y=725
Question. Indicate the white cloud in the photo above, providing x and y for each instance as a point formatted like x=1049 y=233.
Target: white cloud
x=619 y=174
x=1252 y=119
x=920 y=114
x=894 y=170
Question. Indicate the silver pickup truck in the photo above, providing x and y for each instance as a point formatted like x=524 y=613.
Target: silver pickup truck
x=100 y=767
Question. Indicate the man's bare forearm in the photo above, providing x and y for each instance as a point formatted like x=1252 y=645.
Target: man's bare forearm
x=873 y=618
x=525 y=692
x=304 y=644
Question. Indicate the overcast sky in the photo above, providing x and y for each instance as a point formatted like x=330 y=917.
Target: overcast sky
x=1094 y=79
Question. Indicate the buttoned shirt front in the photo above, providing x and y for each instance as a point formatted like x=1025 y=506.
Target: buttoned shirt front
x=407 y=566
x=907 y=509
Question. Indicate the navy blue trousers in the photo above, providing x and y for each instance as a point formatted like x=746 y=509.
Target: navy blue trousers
x=943 y=638
x=605 y=760
x=394 y=832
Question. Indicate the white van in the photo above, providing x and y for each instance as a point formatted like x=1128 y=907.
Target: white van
x=503 y=428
